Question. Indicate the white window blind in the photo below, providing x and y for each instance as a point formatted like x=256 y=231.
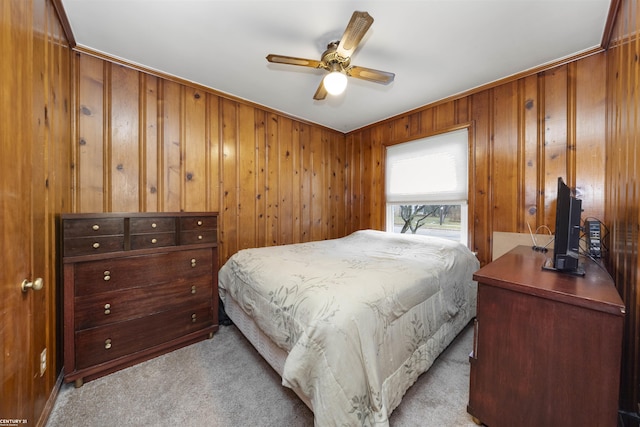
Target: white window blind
x=431 y=169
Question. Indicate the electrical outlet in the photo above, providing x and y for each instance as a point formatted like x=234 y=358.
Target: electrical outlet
x=43 y=361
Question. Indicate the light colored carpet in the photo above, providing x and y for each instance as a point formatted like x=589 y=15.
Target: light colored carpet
x=223 y=382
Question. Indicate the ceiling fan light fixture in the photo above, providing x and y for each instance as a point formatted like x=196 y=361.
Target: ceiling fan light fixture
x=335 y=82
x=337 y=60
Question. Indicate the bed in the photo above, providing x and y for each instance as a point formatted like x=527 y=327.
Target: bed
x=350 y=323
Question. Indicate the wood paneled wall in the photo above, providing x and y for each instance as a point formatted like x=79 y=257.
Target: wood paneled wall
x=623 y=186
x=146 y=143
x=526 y=133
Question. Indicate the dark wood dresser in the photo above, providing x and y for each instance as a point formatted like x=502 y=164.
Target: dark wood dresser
x=136 y=285
x=547 y=345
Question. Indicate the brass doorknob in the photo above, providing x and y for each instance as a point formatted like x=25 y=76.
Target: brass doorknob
x=36 y=285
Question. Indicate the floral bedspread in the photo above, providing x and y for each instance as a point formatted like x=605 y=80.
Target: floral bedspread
x=361 y=317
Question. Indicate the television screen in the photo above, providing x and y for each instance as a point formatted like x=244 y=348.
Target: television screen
x=566 y=251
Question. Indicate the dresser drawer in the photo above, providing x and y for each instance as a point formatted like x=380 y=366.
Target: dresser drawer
x=93 y=245
x=92 y=227
x=111 y=307
x=198 y=223
x=105 y=343
x=138 y=271
x=152 y=240
x=198 y=236
x=152 y=225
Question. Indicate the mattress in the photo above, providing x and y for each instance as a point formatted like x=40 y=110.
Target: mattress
x=352 y=322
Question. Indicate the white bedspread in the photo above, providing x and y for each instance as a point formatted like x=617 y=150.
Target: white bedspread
x=361 y=316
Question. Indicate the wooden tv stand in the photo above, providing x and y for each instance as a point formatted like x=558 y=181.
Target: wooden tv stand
x=547 y=345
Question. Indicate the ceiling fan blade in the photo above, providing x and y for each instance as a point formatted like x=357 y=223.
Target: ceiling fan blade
x=353 y=34
x=370 y=74
x=291 y=60
x=321 y=92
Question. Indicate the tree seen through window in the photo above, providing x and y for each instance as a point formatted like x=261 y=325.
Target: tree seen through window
x=432 y=219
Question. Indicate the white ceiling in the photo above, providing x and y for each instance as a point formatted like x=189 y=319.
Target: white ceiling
x=436 y=48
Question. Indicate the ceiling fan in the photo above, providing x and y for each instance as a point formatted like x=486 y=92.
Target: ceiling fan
x=337 y=60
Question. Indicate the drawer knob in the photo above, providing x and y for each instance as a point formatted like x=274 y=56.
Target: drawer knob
x=193 y=289
x=199 y=222
x=96 y=245
x=193 y=262
x=107 y=343
x=153 y=225
x=107 y=275
x=96 y=227
x=193 y=318
x=107 y=309
x=154 y=240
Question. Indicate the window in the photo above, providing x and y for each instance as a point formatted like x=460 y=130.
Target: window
x=426 y=186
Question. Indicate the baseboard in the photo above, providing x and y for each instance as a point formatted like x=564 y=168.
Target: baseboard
x=51 y=401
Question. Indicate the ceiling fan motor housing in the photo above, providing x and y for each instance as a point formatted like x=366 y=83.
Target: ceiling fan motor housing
x=330 y=56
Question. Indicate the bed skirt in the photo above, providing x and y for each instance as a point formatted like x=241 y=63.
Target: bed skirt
x=274 y=355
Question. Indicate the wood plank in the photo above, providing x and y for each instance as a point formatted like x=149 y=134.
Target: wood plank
x=214 y=153
x=528 y=129
x=317 y=185
x=172 y=126
x=444 y=115
x=400 y=129
x=195 y=151
x=367 y=177
x=91 y=131
x=229 y=173
x=150 y=164
x=284 y=182
x=123 y=140
x=272 y=198
x=354 y=176
x=325 y=189
x=555 y=139
x=298 y=135
x=427 y=122
x=480 y=211
x=261 y=177
x=414 y=125
x=339 y=191
x=376 y=194
x=504 y=163
x=306 y=175
x=246 y=166
x=462 y=110
x=590 y=132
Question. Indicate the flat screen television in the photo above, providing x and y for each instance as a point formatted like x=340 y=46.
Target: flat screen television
x=566 y=248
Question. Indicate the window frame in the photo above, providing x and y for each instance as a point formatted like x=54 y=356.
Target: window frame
x=470 y=202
